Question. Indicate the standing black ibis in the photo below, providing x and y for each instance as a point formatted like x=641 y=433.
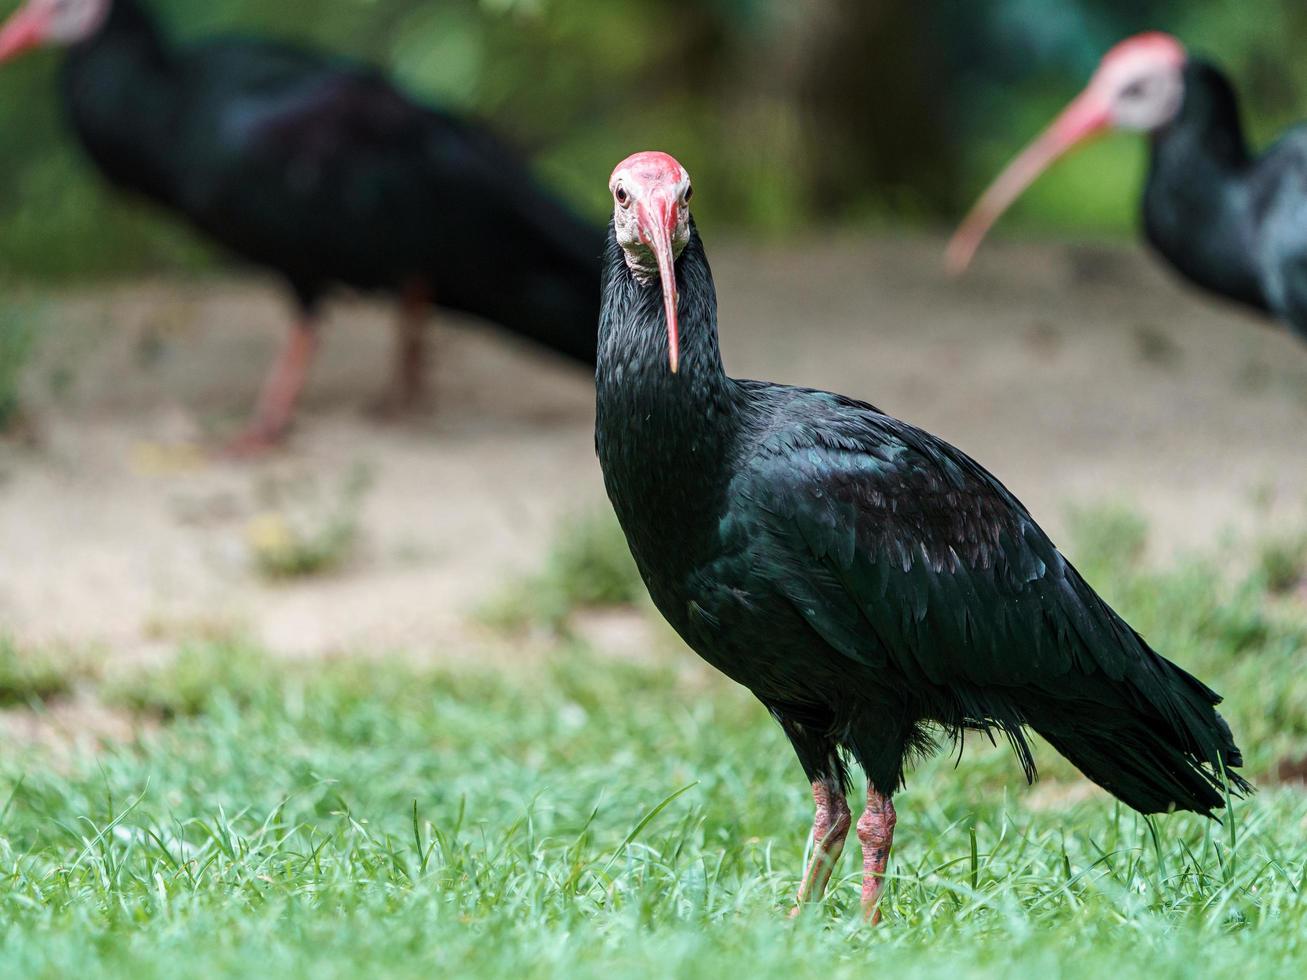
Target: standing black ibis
x=1231 y=223
x=320 y=169
x=864 y=579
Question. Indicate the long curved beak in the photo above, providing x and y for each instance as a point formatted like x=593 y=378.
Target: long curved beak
x=657 y=221
x=22 y=31
x=1087 y=116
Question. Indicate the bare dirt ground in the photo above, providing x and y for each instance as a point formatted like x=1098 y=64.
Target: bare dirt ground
x=1078 y=375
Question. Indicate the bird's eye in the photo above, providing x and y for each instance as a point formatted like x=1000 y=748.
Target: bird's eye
x=689 y=193
x=623 y=198
x=1137 y=89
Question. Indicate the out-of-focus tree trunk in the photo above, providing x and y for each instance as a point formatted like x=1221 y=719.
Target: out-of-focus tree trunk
x=873 y=88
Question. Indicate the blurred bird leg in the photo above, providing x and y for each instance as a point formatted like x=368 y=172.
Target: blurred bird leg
x=281 y=390
x=413 y=349
x=409 y=386
x=876 y=832
x=830 y=826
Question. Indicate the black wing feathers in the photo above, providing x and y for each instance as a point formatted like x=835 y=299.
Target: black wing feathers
x=905 y=555
x=322 y=169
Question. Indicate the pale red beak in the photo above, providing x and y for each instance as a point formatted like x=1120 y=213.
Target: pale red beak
x=1087 y=116
x=657 y=222
x=23 y=31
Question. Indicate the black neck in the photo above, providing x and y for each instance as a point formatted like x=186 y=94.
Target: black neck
x=126 y=24
x=119 y=90
x=1208 y=122
x=662 y=437
x=1195 y=211
x=633 y=325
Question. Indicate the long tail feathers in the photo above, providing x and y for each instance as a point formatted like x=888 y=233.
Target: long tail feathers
x=1175 y=755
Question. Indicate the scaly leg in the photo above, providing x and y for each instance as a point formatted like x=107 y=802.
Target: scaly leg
x=876 y=832
x=830 y=825
x=281 y=390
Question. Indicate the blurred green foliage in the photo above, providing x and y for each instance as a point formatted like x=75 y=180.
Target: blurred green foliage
x=847 y=111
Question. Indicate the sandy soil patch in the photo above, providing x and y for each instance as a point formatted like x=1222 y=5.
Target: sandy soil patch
x=1078 y=375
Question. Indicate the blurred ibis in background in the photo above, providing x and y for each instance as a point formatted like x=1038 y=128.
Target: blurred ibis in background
x=320 y=169
x=1228 y=221
x=869 y=583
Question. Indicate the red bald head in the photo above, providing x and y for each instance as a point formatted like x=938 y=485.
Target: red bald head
x=1139 y=86
x=649 y=167
x=651 y=218
x=1151 y=46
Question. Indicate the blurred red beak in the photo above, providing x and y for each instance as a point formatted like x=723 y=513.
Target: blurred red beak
x=23 y=31
x=1087 y=116
x=657 y=222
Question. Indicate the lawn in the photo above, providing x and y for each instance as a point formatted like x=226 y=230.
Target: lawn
x=585 y=816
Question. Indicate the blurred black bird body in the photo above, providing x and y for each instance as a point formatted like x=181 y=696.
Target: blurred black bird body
x=321 y=169
x=1230 y=222
x=867 y=581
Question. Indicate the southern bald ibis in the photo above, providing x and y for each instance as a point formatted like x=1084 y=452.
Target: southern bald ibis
x=321 y=169
x=1230 y=222
x=868 y=582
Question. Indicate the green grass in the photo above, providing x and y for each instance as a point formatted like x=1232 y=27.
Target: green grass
x=584 y=817
x=187 y=688
x=28 y=676
x=1282 y=562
